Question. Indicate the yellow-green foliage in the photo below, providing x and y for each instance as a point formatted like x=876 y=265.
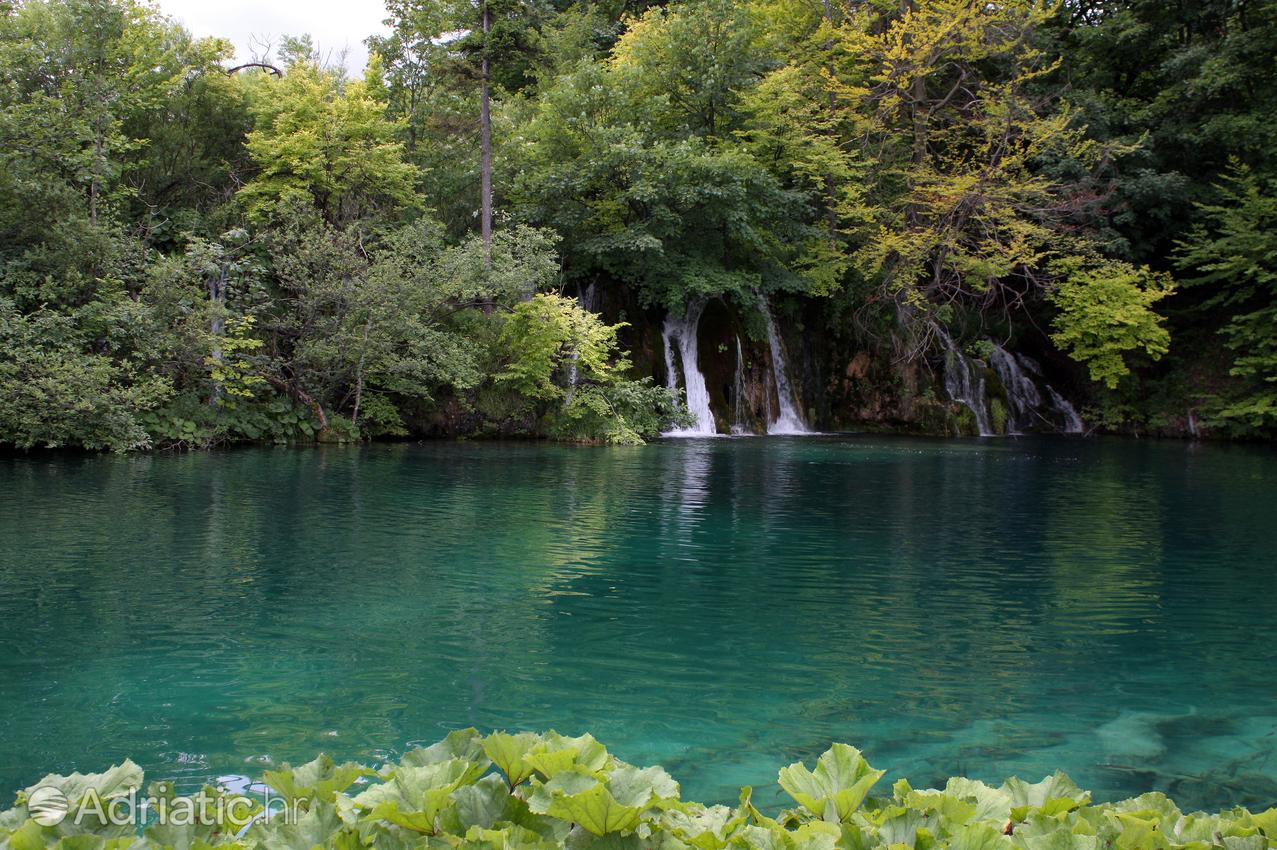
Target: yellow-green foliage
x=1106 y=313
x=549 y=334
x=550 y=792
x=323 y=142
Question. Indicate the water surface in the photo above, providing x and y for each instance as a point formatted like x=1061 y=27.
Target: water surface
x=722 y=607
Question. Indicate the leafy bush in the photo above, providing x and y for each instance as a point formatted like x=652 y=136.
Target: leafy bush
x=545 y=792
x=566 y=360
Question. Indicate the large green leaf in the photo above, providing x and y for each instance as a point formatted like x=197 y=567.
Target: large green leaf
x=318 y=779
x=507 y=752
x=837 y=786
x=556 y=753
x=633 y=786
x=117 y=781
x=979 y=836
x=992 y=805
x=483 y=803
x=596 y=810
x=703 y=827
x=1053 y=795
x=464 y=744
x=413 y=796
x=316 y=827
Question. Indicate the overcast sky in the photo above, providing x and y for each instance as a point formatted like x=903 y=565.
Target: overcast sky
x=333 y=24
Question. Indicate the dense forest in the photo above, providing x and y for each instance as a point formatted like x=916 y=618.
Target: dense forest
x=528 y=218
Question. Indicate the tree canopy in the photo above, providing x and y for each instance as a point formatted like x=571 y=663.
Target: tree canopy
x=191 y=255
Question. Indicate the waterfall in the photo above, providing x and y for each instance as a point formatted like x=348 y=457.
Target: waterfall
x=1032 y=403
x=586 y=298
x=1024 y=402
x=788 y=420
x=681 y=332
x=1055 y=413
x=739 y=423
x=964 y=382
x=1072 y=421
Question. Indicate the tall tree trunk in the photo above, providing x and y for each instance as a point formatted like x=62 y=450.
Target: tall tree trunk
x=485 y=142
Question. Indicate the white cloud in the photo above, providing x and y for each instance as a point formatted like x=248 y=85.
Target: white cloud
x=334 y=25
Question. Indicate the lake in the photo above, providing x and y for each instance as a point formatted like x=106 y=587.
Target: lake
x=722 y=607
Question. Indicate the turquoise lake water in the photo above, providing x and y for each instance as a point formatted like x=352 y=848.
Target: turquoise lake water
x=722 y=607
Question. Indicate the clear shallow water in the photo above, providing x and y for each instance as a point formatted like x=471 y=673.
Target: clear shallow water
x=722 y=607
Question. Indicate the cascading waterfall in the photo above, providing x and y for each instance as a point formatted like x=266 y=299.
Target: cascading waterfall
x=1023 y=372
x=1024 y=402
x=681 y=332
x=1032 y=403
x=788 y=420
x=1072 y=421
x=964 y=382
x=739 y=423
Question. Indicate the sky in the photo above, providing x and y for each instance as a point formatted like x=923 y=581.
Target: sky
x=334 y=25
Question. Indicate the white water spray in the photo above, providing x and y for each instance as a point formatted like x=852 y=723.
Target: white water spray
x=1025 y=384
x=788 y=420
x=739 y=423
x=964 y=382
x=680 y=334
x=1023 y=399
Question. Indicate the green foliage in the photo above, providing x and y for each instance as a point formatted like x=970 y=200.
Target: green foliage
x=229 y=367
x=192 y=257
x=55 y=393
x=675 y=219
x=541 y=792
x=551 y=337
x=1105 y=313
x=321 y=141
x=1233 y=254
x=557 y=352
x=690 y=63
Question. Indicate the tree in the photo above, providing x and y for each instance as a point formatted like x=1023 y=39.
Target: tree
x=1105 y=311
x=57 y=393
x=958 y=211
x=324 y=143
x=1233 y=255
x=690 y=64
x=485 y=43
x=370 y=331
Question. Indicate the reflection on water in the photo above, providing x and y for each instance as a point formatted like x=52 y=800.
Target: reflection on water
x=722 y=607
